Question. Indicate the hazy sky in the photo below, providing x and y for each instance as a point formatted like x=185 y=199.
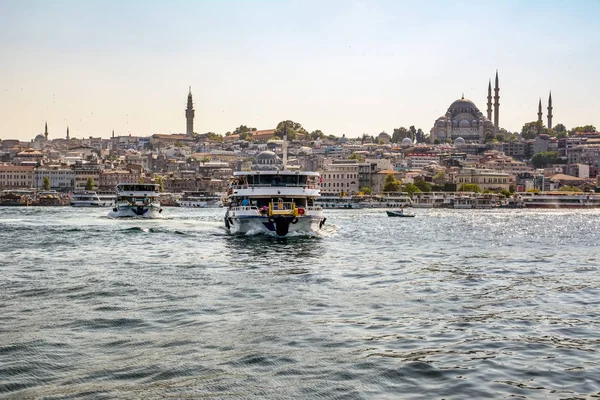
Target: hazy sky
x=345 y=67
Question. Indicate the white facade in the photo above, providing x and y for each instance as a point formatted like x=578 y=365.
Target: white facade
x=59 y=177
x=340 y=178
x=14 y=176
x=484 y=178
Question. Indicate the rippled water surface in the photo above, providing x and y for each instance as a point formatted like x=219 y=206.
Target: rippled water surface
x=452 y=304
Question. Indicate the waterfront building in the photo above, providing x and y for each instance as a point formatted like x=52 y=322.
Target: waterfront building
x=84 y=171
x=61 y=178
x=484 y=178
x=108 y=180
x=340 y=177
x=16 y=176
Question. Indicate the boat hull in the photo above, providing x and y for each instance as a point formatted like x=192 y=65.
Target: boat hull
x=135 y=212
x=279 y=225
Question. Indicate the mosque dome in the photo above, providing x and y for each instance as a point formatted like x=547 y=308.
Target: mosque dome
x=406 y=142
x=462 y=103
x=459 y=140
x=454 y=123
x=40 y=137
x=464 y=123
x=266 y=160
x=474 y=123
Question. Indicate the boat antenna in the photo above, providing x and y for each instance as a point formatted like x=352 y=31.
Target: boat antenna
x=284 y=146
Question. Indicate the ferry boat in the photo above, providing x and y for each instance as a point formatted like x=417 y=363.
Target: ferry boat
x=271 y=199
x=429 y=200
x=340 y=202
x=387 y=200
x=137 y=200
x=200 y=200
x=86 y=198
x=464 y=202
x=278 y=202
x=560 y=200
x=106 y=198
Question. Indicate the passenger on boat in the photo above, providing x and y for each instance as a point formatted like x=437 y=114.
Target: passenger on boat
x=245 y=202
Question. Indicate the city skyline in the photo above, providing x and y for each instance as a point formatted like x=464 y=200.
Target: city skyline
x=341 y=67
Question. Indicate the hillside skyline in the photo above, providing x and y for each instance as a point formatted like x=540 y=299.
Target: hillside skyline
x=342 y=67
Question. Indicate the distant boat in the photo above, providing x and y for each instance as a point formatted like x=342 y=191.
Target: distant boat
x=399 y=213
x=137 y=200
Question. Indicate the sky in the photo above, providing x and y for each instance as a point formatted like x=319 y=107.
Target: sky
x=345 y=67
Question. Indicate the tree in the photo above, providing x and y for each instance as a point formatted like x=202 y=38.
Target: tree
x=561 y=135
x=531 y=129
x=411 y=188
x=293 y=129
x=543 y=159
x=423 y=186
x=314 y=135
x=585 y=128
x=436 y=141
x=159 y=180
x=506 y=193
x=421 y=136
x=513 y=138
x=568 y=188
x=560 y=128
x=358 y=157
x=489 y=137
x=399 y=134
x=413 y=132
x=469 y=187
x=391 y=184
x=178 y=144
x=89 y=185
x=244 y=136
x=242 y=129
x=46 y=183
x=366 y=190
x=500 y=137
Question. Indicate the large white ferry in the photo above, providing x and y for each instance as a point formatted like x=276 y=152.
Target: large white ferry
x=279 y=202
x=137 y=200
x=560 y=200
x=87 y=198
x=271 y=199
x=200 y=200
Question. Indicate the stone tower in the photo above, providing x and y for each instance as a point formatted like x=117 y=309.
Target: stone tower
x=489 y=103
x=550 y=111
x=496 y=106
x=68 y=137
x=540 y=111
x=189 y=115
x=46 y=130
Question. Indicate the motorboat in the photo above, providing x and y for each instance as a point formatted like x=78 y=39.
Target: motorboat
x=137 y=200
x=398 y=213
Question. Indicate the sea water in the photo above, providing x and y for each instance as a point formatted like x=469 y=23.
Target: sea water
x=451 y=304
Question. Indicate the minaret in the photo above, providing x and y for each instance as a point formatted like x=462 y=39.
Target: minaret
x=68 y=137
x=189 y=115
x=113 y=134
x=489 y=103
x=550 y=111
x=496 y=106
x=540 y=111
x=46 y=130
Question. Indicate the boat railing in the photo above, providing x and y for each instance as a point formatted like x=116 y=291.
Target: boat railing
x=283 y=208
x=268 y=185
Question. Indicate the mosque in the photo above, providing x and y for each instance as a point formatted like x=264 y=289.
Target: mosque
x=464 y=120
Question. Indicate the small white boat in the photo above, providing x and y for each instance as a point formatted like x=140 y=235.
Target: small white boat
x=137 y=200
x=86 y=198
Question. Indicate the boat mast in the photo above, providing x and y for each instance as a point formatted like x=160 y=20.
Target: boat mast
x=284 y=146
